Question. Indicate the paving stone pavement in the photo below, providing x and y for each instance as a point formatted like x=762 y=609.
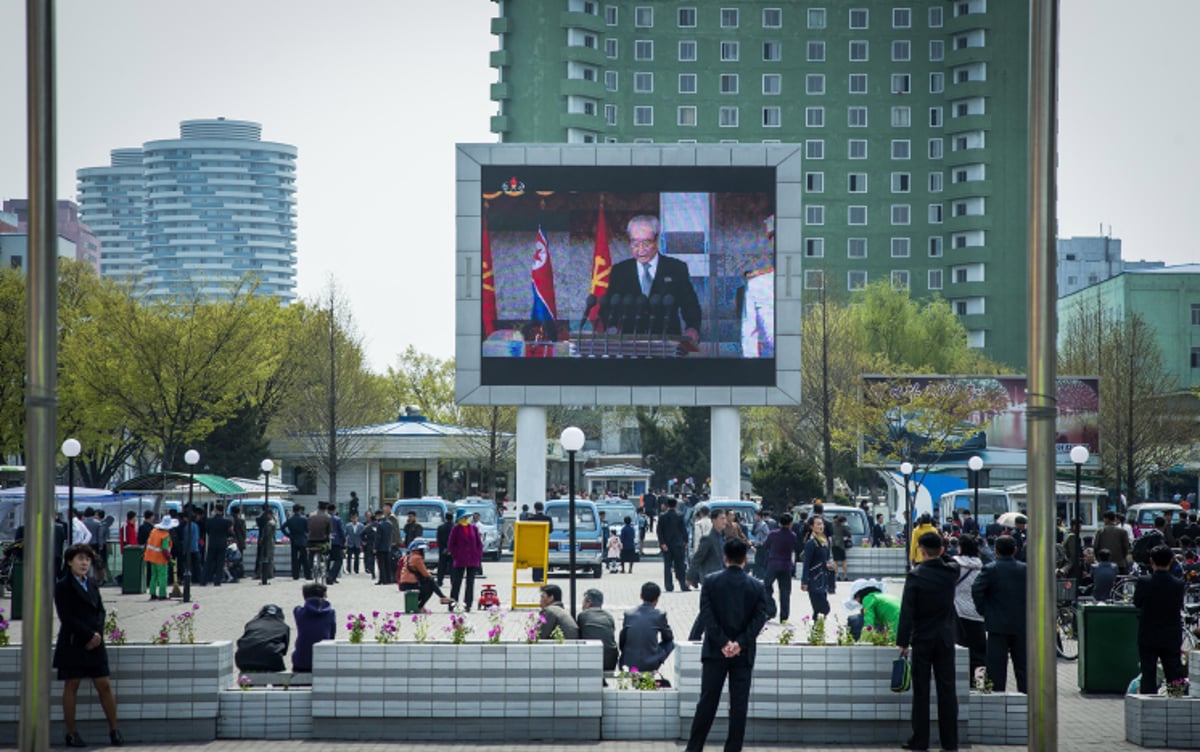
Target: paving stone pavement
x=1085 y=723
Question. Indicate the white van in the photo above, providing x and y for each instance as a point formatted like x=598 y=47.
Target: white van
x=993 y=502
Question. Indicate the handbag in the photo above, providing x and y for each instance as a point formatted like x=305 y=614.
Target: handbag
x=901 y=674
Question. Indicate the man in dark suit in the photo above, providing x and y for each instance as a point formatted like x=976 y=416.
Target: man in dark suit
x=445 y=561
x=672 y=539
x=999 y=595
x=1159 y=595
x=647 y=275
x=928 y=625
x=296 y=529
x=733 y=609
x=539 y=515
x=646 y=637
x=707 y=558
x=218 y=528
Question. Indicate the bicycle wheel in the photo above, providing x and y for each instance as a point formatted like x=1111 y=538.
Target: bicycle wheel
x=1122 y=592
x=1190 y=641
x=1066 y=636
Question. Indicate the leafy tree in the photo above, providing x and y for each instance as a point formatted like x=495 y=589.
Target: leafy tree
x=676 y=443
x=1148 y=423
x=493 y=443
x=12 y=363
x=425 y=381
x=782 y=478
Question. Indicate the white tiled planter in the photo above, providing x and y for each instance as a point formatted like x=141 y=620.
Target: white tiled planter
x=876 y=562
x=997 y=718
x=1155 y=721
x=265 y=714
x=635 y=715
x=1194 y=673
x=500 y=692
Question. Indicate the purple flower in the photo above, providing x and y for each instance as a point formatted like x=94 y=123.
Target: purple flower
x=195 y=606
x=633 y=670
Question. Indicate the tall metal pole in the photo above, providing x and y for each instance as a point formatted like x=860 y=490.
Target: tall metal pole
x=71 y=498
x=41 y=401
x=571 y=524
x=975 y=507
x=1042 y=411
x=187 y=539
x=1078 y=489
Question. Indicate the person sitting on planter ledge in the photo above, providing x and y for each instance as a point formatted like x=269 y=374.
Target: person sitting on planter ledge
x=414 y=575
x=597 y=624
x=556 y=615
x=646 y=637
x=880 y=611
x=315 y=621
x=264 y=643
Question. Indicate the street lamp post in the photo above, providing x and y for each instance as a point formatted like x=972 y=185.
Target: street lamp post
x=906 y=469
x=71 y=448
x=191 y=457
x=572 y=442
x=266 y=569
x=976 y=464
x=1079 y=455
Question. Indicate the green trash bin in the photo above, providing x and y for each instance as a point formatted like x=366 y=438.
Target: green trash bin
x=411 y=598
x=1108 y=654
x=133 y=571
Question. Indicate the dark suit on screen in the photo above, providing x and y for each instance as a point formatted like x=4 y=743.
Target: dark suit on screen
x=670 y=278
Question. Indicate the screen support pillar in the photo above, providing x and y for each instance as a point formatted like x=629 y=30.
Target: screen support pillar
x=531 y=455
x=726 y=428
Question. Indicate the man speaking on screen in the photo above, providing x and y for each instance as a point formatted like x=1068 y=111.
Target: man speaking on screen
x=651 y=293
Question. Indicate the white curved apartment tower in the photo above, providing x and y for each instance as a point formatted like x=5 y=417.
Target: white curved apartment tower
x=112 y=200
x=217 y=203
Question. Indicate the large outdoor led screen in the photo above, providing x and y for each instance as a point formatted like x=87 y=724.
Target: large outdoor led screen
x=627 y=275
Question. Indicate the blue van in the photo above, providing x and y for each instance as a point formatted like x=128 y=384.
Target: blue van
x=589 y=538
x=431 y=513
x=252 y=509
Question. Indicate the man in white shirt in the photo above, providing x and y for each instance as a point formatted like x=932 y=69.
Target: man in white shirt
x=79 y=531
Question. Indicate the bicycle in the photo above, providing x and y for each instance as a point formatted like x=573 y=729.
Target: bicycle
x=1066 y=634
x=319 y=559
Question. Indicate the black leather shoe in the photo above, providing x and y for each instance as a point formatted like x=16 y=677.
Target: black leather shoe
x=115 y=737
x=75 y=740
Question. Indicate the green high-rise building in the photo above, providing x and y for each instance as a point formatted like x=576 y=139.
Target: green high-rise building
x=912 y=115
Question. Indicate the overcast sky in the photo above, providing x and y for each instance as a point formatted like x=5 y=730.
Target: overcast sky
x=375 y=93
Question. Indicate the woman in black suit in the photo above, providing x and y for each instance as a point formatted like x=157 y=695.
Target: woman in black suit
x=79 y=653
x=815 y=572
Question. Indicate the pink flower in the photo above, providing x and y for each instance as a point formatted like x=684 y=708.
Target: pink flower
x=633 y=670
x=375 y=614
x=195 y=606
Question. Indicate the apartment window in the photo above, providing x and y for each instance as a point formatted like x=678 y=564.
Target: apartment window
x=935 y=17
x=901 y=51
x=589 y=108
x=814 y=117
x=856 y=215
x=901 y=18
x=856 y=117
x=729 y=83
x=814 y=279
x=815 y=52
x=901 y=182
x=816 y=18
x=772 y=52
x=814 y=83
x=610 y=48
x=643 y=83
x=814 y=215
x=856 y=248
x=610 y=15
x=687 y=83
x=937 y=50
x=935 y=279
x=856 y=281
x=901 y=214
x=729 y=52
x=936 y=148
x=686 y=116
x=814 y=182
x=857 y=148
x=901 y=117
x=643 y=49
x=1195 y=314
x=727 y=117
x=814 y=148
x=589 y=74
x=899 y=279
x=960 y=277
x=935 y=246
x=935 y=214
x=960 y=241
x=729 y=18
x=772 y=117
x=858 y=83
x=814 y=247
x=935 y=182
x=772 y=18
x=643 y=115
x=962 y=109
x=610 y=114
x=687 y=51
x=589 y=41
x=856 y=182
x=643 y=18
x=858 y=18
x=937 y=83
x=935 y=117
x=960 y=306
x=901 y=83
x=610 y=80
x=901 y=149
x=772 y=84
x=687 y=18
x=858 y=51
x=900 y=247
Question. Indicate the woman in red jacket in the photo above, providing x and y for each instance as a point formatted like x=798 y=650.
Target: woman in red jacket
x=466 y=550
